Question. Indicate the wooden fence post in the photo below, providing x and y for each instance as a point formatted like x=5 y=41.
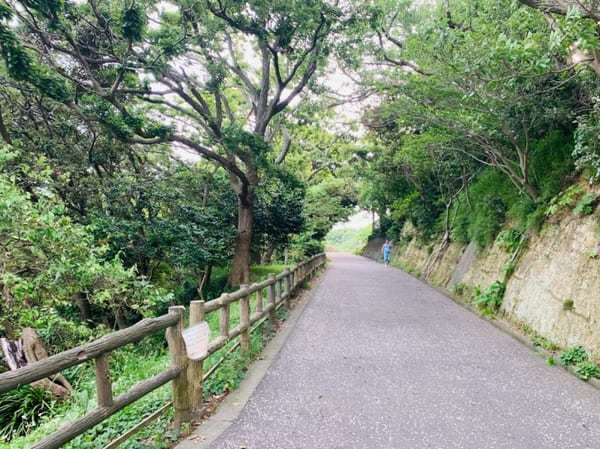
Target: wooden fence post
x=103 y=381
x=277 y=291
x=259 y=300
x=288 y=288
x=181 y=397
x=224 y=318
x=196 y=367
x=245 y=320
x=272 y=299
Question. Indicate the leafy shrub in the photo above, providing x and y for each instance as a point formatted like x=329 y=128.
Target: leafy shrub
x=228 y=376
x=587 y=147
x=509 y=240
x=573 y=356
x=568 y=305
x=551 y=163
x=491 y=297
x=21 y=409
x=585 y=206
x=587 y=369
x=565 y=198
x=48 y=260
x=491 y=196
x=536 y=218
x=458 y=288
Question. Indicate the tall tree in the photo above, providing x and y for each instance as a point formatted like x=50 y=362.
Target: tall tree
x=209 y=76
x=496 y=84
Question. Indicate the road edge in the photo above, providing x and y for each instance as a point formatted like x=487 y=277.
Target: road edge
x=499 y=323
x=231 y=407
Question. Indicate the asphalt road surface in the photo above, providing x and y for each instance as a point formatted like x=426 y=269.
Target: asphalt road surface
x=380 y=360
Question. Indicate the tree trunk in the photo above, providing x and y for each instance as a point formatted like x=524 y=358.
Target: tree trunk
x=30 y=349
x=533 y=195
x=85 y=311
x=240 y=271
x=203 y=280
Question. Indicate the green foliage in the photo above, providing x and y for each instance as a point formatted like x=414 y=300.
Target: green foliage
x=587 y=147
x=347 y=239
x=587 y=369
x=491 y=196
x=228 y=376
x=573 y=356
x=586 y=205
x=459 y=288
x=261 y=272
x=326 y=203
x=565 y=198
x=278 y=211
x=22 y=409
x=568 y=305
x=508 y=269
x=491 y=297
x=133 y=22
x=509 y=240
x=550 y=361
x=48 y=260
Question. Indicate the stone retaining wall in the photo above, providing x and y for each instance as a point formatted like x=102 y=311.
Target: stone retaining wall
x=560 y=263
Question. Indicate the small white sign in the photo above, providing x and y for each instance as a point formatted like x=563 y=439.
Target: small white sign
x=196 y=340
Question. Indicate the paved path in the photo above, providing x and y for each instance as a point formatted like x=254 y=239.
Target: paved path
x=380 y=360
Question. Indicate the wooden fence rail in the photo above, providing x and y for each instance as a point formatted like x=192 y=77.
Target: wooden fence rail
x=187 y=376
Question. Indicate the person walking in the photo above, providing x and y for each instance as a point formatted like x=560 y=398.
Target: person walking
x=386 y=249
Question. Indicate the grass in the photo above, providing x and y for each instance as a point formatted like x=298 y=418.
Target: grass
x=490 y=297
x=568 y=305
x=261 y=272
x=129 y=365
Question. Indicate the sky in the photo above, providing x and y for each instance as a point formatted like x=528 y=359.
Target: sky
x=359 y=220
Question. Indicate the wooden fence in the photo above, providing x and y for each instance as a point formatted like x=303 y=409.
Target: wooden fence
x=186 y=375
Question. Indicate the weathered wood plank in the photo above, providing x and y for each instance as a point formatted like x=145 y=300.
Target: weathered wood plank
x=259 y=300
x=288 y=288
x=245 y=321
x=56 y=363
x=179 y=360
x=224 y=317
x=196 y=367
x=272 y=301
x=103 y=381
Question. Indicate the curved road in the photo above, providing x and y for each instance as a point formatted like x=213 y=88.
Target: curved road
x=380 y=360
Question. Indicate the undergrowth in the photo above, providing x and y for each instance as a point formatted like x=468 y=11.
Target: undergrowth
x=491 y=297
x=128 y=365
x=573 y=356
